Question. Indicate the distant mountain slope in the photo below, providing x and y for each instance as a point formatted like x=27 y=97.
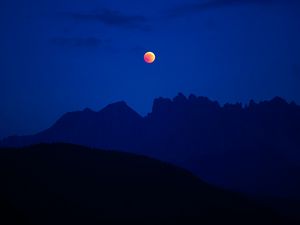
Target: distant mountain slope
x=253 y=148
x=112 y=127
x=68 y=184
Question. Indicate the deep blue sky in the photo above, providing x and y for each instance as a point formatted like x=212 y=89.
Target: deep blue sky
x=65 y=55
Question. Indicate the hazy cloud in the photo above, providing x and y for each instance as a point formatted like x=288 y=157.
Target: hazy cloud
x=111 y=18
x=78 y=41
x=200 y=6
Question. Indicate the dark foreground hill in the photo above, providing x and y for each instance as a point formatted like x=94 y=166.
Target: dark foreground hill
x=253 y=148
x=68 y=184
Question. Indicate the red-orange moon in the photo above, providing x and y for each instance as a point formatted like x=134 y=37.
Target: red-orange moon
x=149 y=57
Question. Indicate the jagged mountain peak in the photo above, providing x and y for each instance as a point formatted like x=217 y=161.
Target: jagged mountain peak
x=181 y=102
x=119 y=108
x=87 y=110
x=119 y=105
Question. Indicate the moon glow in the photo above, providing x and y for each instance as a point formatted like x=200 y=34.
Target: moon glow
x=149 y=57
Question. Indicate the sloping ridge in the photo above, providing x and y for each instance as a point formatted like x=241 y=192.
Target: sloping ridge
x=115 y=123
x=69 y=184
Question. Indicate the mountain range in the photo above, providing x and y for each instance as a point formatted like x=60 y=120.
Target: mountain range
x=252 y=148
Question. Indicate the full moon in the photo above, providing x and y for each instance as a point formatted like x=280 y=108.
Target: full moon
x=149 y=57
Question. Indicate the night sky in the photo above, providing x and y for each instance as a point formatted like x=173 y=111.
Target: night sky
x=65 y=55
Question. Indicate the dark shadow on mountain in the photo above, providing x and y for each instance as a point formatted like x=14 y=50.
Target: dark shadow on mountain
x=253 y=148
x=69 y=184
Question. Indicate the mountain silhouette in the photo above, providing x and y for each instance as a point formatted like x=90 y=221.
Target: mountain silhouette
x=252 y=148
x=69 y=184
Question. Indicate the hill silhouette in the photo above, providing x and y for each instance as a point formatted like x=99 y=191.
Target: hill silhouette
x=69 y=184
x=252 y=148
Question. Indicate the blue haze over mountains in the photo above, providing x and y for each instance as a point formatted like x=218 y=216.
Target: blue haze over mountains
x=58 y=56
x=252 y=148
